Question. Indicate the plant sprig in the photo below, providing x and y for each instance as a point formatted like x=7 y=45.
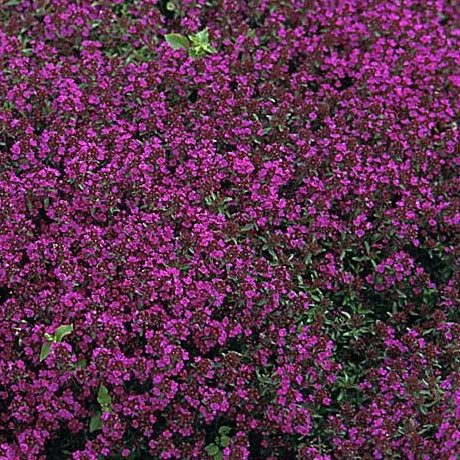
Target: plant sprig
x=105 y=401
x=58 y=335
x=197 y=44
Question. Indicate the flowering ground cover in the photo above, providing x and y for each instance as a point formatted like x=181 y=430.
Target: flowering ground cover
x=229 y=229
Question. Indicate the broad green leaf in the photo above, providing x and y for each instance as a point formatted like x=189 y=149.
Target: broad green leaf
x=96 y=422
x=103 y=398
x=49 y=337
x=212 y=449
x=45 y=351
x=62 y=331
x=177 y=41
x=219 y=456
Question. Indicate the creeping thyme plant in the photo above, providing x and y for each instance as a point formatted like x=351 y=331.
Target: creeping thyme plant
x=229 y=229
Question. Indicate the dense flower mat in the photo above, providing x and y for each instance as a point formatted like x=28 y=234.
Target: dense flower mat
x=229 y=229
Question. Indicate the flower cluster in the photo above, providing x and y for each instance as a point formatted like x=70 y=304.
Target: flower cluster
x=245 y=253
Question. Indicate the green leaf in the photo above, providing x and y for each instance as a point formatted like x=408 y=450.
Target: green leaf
x=273 y=254
x=224 y=430
x=45 y=351
x=224 y=441
x=49 y=337
x=200 y=45
x=212 y=449
x=81 y=364
x=196 y=42
x=62 y=331
x=177 y=41
x=96 y=422
x=103 y=398
x=203 y=36
x=194 y=53
x=219 y=456
x=247 y=227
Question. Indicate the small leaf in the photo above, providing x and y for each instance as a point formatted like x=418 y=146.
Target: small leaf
x=203 y=36
x=219 y=456
x=273 y=254
x=45 y=351
x=212 y=449
x=224 y=430
x=62 y=331
x=103 y=398
x=224 y=441
x=96 y=422
x=177 y=41
x=81 y=364
x=49 y=337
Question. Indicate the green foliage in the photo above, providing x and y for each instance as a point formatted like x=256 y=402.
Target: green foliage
x=96 y=422
x=12 y=3
x=45 y=351
x=214 y=451
x=58 y=335
x=200 y=45
x=62 y=331
x=222 y=440
x=8 y=105
x=81 y=364
x=197 y=44
x=177 y=41
x=104 y=399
